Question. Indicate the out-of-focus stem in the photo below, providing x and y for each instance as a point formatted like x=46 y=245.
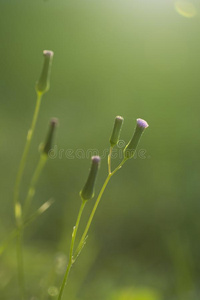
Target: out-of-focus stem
x=71 y=259
x=34 y=180
x=17 y=204
x=25 y=153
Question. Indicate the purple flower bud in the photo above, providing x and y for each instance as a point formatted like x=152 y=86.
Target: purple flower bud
x=142 y=123
x=130 y=149
x=88 y=190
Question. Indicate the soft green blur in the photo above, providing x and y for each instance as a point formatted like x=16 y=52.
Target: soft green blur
x=133 y=58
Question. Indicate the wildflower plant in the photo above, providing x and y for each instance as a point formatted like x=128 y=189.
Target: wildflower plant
x=87 y=192
x=22 y=213
x=21 y=209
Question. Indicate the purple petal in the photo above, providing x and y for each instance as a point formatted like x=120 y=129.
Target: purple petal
x=142 y=123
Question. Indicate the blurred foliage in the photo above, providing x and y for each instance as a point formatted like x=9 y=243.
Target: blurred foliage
x=112 y=57
x=138 y=294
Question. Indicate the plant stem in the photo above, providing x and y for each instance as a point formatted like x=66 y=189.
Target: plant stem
x=78 y=249
x=17 y=205
x=109 y=160
x=25 y=152
x=34 y=180
x=71 y=259
x=91 y=216
x=20 y=263
x=25 y=223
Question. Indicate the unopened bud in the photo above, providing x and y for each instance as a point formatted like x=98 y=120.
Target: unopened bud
x=129 y=150
x=88 y=190
x=48 y=145
x=42 y=86
x=116 y=131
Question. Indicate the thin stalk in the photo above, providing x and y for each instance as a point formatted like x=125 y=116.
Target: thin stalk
x=20 y=263
x=25 y=223
x=25 y=152
x=9 y=238
x=92 y=216
x=30 y=194
x=17 y=204
x=78 y=249
x=71 y=259
x=109 y=160
x=34 y=180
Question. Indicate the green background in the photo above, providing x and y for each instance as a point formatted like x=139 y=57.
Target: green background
x=134 y=58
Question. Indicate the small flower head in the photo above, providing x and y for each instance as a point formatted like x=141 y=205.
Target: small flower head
x=130 y=149
x=43 y=84
x=116 y=131
x=48 y=144
x=87 y=192
x=142 y=123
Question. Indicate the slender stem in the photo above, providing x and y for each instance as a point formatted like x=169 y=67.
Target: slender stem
x=25 y=153
x=5 y=243
x=36 y=175
x=95 y=208
x=72 y=257
x=20 y=261
x=119 y=166
x=109 y=160
x=25 y=223
x=71 y=260
x=34 y=180
x=92 y=215
x=17 y=205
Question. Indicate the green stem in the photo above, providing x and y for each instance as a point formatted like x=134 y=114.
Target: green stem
x=9 y=238
x=80 y=245
x=25 y=153
x=25 y=223
x=17 y=205
x=36 y=175
x=34 y=180
x=20 y=263
x=91 y=216
x=109 y=160
x=71 y=259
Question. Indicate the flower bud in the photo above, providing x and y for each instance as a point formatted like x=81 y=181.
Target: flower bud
x=88 y=191
x=116 y=131
x=42 y=86
x=48 y=145
x=129 y=150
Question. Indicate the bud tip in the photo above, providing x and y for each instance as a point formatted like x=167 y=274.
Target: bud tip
x=96 y=159
x=142 y=123
x=54 y=121
x=48 y=53
x=119 y=118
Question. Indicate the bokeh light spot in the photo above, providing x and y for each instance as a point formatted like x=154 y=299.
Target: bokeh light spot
x=53 y=291
x=185 y=8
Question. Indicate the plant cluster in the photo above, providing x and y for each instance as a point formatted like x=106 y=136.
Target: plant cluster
x=22 y=213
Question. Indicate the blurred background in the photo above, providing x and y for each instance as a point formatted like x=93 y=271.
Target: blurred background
x=137 y=59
